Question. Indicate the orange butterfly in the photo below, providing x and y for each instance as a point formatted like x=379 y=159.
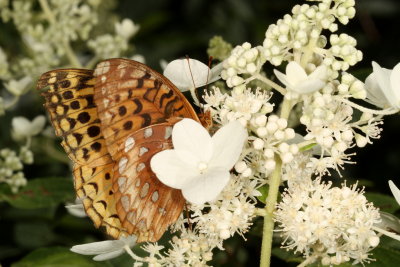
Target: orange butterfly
x=113 y=120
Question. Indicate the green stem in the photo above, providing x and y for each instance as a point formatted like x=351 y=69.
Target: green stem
x=268 y=227
x=52 y=20
x=270 y=83
x=274 y=182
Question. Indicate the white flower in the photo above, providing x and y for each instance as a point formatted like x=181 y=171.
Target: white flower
x=297 y=80
x=23 y=128
x=105 y=250
x=395 y=191
x=383 y=86
x=196 y=75
x=77 y=209
x=126 y=28
x=18 y=87
x=199 y=164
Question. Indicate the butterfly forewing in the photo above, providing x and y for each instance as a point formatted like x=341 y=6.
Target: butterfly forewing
x=130 y=96
x=73 y=114
x=68 y=100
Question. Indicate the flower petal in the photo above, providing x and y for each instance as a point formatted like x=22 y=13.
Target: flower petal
x=170 y=170
x=109 y=255
x=308 y=86
x=98 y=247
x=319 y=73
x=375 y=95
x=382 y=76
x=21 y=125
x=37 y=125
x=206 y=187
x=395 y=191
x=281 y=77
x=189 y=73
x=215 y=73
x=191 y=141
x=228 y=144
x=395 y=85
x=295 y=73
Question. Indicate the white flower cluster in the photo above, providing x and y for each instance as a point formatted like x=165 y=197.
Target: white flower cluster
x=330 y=223
x=293 y=34
x=11 y=166
x=49 y=34
x=243 y=60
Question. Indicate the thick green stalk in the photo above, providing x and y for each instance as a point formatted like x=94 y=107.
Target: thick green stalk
x=268 y=228
x=274 y=182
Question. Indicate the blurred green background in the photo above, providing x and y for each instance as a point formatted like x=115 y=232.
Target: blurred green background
x=175 y=28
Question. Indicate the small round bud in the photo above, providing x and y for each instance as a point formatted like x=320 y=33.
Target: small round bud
x=283 y=147
x=240 y=166
x=270 y=164
x=258 y=144
x=269 y=153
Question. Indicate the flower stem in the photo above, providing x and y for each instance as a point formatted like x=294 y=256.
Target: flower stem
x=274 y=182
x=52 y=20
x=268 y=227
x=270 y=83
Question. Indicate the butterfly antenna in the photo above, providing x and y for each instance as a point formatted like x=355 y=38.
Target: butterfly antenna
x=191 y=74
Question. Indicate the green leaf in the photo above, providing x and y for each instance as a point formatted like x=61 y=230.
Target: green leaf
x=41 y=192
x=385 y=257
x=287 y=256
x=383 y=202
x=264 y=193
x=57 y=257
x=307 y=147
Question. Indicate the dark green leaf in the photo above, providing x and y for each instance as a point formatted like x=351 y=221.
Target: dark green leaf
x=57 y=257
x=385 y=257
x=383 y=202
x=42 y=192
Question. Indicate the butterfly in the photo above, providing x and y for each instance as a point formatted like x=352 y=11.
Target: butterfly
x=113 y=120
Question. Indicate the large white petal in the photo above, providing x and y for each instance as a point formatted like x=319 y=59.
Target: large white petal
x=206 y=187
x=395 y=84
x=382 y=76
x=228 y=144
x=308 y=86
x=295 y=73
x=215 y=73
x=190 y=138
x=395 y=191
x=375 y=95
x=281 y=77
x=109 y=255
x=319 y=73
x=176 y=73
x=98 y=247
x=196 y=75
x=170 y=170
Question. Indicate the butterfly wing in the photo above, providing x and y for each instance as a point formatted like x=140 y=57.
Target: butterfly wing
x=146 y=207
x=131 y=96
x=73 y=113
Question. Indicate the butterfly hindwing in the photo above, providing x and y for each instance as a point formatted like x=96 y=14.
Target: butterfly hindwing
x=146 y=207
